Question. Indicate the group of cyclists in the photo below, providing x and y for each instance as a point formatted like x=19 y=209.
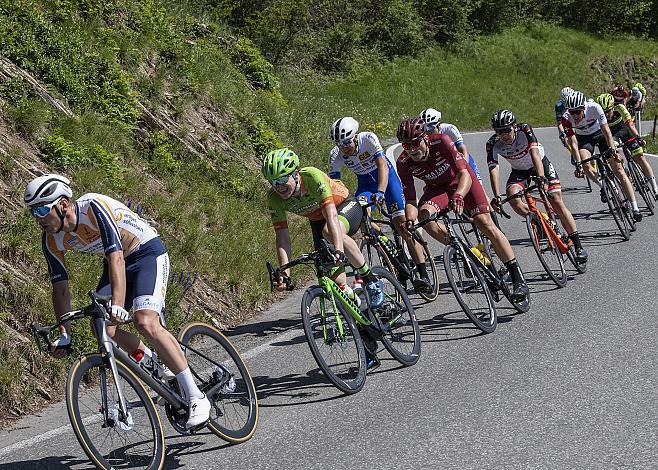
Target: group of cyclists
x=136 y=264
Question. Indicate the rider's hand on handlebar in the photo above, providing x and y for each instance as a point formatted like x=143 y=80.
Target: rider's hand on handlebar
x=378 y=198
x=542 y=183
x=118 y=315
x=60 y=347
x=457 y=204
x=283 y=283
x=495 y=204
x=405 y=228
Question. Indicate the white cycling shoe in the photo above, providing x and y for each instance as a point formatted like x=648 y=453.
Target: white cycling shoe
x=199 y=412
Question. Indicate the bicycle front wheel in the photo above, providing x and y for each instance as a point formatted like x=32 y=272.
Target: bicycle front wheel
x=110 y=439
x=401 y=333
x=470 y=289
x=334 y=340
x=546 y=249
x=222 y=375
x=614 y=204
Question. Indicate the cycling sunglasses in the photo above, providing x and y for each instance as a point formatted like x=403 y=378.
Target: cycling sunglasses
x=344 y=142
x=281 y=181
x=413 y=145
x=504 y=130
x=40 y=212
x=576 y=111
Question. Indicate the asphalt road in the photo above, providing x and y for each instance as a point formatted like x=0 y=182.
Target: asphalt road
x=570 y=384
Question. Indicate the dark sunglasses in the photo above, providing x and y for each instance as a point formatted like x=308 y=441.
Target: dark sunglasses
x=576 y=111
x=504 y=130
x=413 y=145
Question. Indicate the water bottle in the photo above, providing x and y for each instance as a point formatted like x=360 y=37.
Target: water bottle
x=350 y=294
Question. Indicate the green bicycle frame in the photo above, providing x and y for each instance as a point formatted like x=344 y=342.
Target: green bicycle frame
x=333 y=292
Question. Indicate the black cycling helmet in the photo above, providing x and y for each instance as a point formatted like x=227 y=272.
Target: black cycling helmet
x=503 y=118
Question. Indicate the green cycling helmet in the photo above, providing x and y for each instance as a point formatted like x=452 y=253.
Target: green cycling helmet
x=278 y=163
x=606 y=101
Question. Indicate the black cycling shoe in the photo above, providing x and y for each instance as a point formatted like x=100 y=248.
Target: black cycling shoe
x=423 y=284
x=604 y=198
x=372 y=361
x=637 y=216
x=520 y=292
x=581 y=256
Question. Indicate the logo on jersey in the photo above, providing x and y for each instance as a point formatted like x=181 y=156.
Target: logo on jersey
x=364 y=156
x=322 y=187
x=394 y=206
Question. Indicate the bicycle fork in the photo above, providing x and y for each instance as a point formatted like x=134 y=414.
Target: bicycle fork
x=108 y=350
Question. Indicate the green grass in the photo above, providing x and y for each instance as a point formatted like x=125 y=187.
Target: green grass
x=522 y=69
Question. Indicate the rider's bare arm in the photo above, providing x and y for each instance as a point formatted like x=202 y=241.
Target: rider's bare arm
x=494 y=173
x=464 y=182
x=117 y=275
x=536 y=161
x=283 y=246
x=333 y=226
x=61 y=296
x=382 y=174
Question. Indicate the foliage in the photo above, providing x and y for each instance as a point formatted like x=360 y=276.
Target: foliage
x=258 y=71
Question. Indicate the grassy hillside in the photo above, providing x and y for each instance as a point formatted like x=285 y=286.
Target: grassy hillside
x=172 y=108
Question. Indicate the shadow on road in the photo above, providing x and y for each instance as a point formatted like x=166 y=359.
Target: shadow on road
x=293 y=389
x=266 y=328
x=47 y=463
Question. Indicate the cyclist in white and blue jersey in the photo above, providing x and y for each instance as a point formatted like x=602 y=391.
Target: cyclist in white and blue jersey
x=433 y=123
x=560 y=109
x=361 y=152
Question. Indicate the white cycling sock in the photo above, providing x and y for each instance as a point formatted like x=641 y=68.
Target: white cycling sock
x=187 y=385
x=653 y=184
x=634 y=206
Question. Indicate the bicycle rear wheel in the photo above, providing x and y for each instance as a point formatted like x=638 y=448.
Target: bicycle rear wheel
x=581 y=268
x=334 y=340
x=470 y=289
x=614 y=204
x=641 y=185
x=401 y=333
x=136 y=441
x=546 y=249
x=223 y=376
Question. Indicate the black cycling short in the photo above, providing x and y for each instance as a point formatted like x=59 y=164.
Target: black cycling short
x=631 y=142
x=350 y=214
x=588 y=142
x=522 y=177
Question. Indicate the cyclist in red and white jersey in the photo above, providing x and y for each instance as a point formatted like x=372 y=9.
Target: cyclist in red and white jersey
x=518 y=144
x=135 y=273
x=587 y=127
x=449 y=181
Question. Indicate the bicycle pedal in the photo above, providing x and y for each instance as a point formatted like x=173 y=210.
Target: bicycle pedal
x=194 y=429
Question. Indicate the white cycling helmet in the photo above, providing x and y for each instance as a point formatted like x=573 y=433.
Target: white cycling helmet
x=575 y=100
x=343 y=129
x=46 y=189
x=565 y=92
x=635 y=91
x=431 y=116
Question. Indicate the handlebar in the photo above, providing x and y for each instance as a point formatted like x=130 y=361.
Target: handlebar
x=99 y=308
x=324 y=255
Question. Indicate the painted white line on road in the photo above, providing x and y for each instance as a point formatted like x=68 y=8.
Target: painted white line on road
x=651 y=155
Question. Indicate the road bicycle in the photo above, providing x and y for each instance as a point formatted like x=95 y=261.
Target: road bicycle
x=546 y=236
x=390 y=251
x=640 y=182
x=615 y=198
x=334 y=324
x=113 y=414
x=476 y=276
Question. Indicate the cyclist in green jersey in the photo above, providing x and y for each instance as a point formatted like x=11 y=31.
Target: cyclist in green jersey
x=333 y=215
x=623 y=128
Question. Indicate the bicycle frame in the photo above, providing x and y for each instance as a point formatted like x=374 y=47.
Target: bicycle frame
x=554 y=239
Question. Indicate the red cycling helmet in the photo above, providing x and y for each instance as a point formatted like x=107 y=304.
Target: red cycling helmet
x=411 y=129
x=620 y=93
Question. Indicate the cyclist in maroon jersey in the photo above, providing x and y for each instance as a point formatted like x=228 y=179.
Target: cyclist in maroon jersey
x=449 y=181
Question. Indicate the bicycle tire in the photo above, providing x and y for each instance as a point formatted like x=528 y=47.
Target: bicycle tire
x=545 y=250
x=641 y=185
x=615 y=209
x=349 y=377
x=399 y=319
x=625 y=203
x=234 y=411
x=467 y=282
x=375 y=255
x=82 y=426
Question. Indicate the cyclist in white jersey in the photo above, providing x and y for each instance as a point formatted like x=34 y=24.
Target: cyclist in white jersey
x=587 y=127
x=135 y=274
x=518 y=144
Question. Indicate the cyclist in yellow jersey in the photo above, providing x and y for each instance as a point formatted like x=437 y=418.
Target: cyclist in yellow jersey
x=332 y=214
x=623 y=128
